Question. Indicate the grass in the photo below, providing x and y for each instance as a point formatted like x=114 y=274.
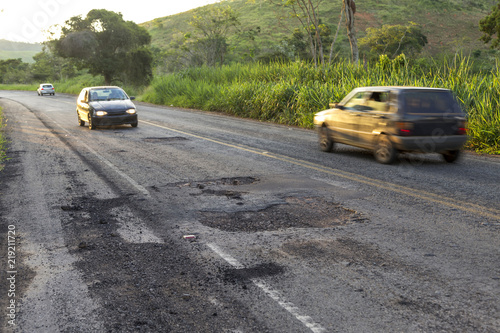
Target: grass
x=291 y=93
x=19 y=87
x=450 y=25
x=3 y=141
x=73 y=85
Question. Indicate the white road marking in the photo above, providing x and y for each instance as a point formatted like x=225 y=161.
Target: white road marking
x=140 y=188
x=269 y=291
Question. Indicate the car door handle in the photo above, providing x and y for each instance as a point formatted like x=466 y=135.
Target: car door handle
x=380 y=117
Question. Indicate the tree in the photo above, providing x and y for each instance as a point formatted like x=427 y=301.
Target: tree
x=14 y=71
x=212 y=26
x=394 y=40
x=50 y=67
x=307 y=13
x=490 y=26
x=107 y=45
x=349 y=7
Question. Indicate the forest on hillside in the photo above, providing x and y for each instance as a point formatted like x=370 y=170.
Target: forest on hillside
x=271 y=60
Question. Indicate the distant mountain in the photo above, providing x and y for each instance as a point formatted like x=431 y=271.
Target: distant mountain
x=15 y=50
x=450 y=25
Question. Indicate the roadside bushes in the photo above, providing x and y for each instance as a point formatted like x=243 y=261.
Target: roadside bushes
x=290 y=93
x=3 y=141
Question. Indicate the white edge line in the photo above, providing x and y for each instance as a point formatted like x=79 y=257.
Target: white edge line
x=269 y=291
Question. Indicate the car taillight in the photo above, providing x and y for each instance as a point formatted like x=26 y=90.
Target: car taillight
x=404 y=128
x=462 y=128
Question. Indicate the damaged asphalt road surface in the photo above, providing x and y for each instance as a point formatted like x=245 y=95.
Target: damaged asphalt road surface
x=199 y=222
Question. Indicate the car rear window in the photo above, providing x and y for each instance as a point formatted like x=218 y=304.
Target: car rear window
x=430 y=102
x=47 y=86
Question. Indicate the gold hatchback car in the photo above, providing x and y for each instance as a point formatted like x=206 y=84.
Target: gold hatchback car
x=389 y=120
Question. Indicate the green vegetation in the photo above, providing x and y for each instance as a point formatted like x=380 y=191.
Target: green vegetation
x=394 y=39
x=3 y=141
x=290 y=93
x=450 y=26
x=250 y=58
x=18 y=50
x=106 y=45
x=490 y=26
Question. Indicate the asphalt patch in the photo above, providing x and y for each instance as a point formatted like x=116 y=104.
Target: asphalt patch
x=296 y=212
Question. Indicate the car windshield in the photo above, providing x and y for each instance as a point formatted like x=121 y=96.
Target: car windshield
x=107 y=94
x=424 y=102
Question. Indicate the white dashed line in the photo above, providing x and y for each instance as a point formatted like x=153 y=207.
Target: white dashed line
x=269 y=291
x=140 y=188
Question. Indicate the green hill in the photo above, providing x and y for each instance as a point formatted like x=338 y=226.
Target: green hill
x=15 y=50
x=450 y=25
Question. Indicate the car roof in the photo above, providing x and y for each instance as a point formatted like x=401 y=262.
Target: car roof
x=398 y=88
x=102 y=87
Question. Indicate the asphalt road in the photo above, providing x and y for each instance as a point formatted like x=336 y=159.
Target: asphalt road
x=199 y=222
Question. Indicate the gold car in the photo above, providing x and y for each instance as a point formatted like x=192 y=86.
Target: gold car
x=389 y=120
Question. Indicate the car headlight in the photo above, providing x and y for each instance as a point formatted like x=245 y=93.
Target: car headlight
x=131 y=111
x=101 y=113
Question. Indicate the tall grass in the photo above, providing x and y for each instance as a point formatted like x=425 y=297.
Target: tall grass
x=290 y=93
x=73 y=85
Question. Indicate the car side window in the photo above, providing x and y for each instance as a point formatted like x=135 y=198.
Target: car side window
x=356 y=102
x=378 y=101
x=369 y=101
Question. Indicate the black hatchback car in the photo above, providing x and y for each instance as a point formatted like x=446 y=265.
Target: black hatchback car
x=389 y=120
x=105 y=106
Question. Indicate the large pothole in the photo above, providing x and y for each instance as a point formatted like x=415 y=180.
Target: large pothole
x=296 y=212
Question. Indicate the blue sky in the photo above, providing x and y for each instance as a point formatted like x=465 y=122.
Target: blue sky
x=28 y=20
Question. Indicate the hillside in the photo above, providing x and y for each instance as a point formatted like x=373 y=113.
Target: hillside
x=15 y=50
x=450 y=25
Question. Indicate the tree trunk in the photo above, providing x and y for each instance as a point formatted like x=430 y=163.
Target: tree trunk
x=350 y=8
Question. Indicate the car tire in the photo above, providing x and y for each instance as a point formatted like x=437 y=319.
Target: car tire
x=384 y=151
x=134 y=124
x=80 y=121
x=451 y=156
x=325 y=141
x=91 y=123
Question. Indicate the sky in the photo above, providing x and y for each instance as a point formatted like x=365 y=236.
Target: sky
x=28 y=20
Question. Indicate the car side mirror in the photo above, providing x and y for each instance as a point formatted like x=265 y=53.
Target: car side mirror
x=132 y=98
x=83 y=101
x=336 y=106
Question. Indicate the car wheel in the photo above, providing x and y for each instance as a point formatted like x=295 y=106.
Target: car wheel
x=80 y=121
x=384 y=151
x=91 y=123
x=325 y=140
x=451 y=156
x=134 y=124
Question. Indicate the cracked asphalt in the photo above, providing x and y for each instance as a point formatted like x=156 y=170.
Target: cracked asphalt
x=200 y=222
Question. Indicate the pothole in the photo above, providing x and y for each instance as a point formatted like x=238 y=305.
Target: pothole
x=229 y=194
x=309 y=212
x=230 y=181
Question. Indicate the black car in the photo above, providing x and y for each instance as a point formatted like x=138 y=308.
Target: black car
x=389 y=120
x=105 y=106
